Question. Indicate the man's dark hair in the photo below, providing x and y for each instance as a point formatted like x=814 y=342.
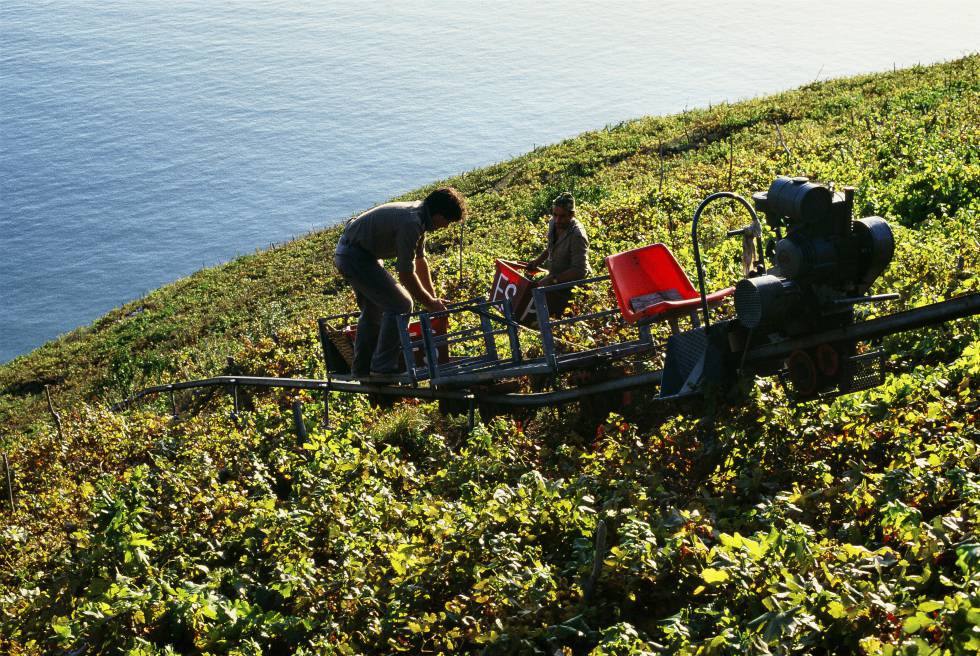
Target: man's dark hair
x=448 y=202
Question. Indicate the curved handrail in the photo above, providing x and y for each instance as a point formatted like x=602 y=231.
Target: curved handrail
x=694 y=237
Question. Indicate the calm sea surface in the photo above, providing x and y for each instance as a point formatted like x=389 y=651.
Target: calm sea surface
x=142 y=140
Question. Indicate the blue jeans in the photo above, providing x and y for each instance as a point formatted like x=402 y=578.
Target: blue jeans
x=381 y=299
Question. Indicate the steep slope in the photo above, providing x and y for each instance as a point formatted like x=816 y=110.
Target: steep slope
x=819 y=528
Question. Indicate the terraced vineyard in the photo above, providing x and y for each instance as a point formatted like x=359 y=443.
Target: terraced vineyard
x=843 y=527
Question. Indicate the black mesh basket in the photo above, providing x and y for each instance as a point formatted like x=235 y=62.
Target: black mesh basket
x=863 y=372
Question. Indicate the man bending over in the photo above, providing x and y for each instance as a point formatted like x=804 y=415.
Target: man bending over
x=392 y=230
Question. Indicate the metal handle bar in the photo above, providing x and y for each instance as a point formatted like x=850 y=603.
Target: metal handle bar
x=694 y=238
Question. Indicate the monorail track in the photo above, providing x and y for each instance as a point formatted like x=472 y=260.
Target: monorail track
x=937 y=313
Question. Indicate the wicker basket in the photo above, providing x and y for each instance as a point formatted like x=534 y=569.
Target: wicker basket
x=343 y=341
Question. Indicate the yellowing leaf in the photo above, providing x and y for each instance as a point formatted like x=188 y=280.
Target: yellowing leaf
x=929 y=606
x=915 y=623
x=711 y=575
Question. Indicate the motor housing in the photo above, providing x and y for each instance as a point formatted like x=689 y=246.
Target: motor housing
x=824 y=253
x=765 y=300
x=823 y=261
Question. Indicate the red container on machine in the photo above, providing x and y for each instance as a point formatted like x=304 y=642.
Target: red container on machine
x=510 y=282
x=651 y=285
x=439 y=327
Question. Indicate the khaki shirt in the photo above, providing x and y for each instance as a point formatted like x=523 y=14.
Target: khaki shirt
x=392 y=230
x=569 y=251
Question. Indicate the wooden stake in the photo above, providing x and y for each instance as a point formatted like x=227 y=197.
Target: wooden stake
x=731 y=159
x=782 y=141
x=471 y=416
x=597 y=557
x=663 y=171
x=10 y=483
x=57 y=418
x=871 y=130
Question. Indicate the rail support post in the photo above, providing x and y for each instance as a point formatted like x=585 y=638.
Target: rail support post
x=298 y=423
x=234 y=397
x=57 y=417
x=646 y=334
x=173 y=403
x=326 y=408
x=471 y=414
x=544 y=327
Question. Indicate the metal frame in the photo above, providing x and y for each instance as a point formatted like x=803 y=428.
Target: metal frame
x=413 y=373
x=944 y=311
x=558 y=362
x=495 y=319
x=491 y=325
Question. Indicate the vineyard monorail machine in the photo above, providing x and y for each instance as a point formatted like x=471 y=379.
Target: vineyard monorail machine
x=796 y=316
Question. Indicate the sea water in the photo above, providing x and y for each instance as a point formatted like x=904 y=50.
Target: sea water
x=142 y=140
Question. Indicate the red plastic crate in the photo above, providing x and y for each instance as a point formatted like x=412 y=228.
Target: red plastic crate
x=439 y=327
x=510 y=282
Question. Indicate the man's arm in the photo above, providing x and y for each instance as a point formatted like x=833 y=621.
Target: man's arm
x=424 y=276
x=411 y=263
x=417 y=288
x=536 y=262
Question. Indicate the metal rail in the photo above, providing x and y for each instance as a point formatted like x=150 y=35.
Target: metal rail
x=955 y=308
x=531 y=400
x=927 y=315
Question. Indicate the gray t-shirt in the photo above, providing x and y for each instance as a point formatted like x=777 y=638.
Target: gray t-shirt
x=392 y=230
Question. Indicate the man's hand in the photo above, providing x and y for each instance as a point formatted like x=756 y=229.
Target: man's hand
x=410 y=281
x=436 y=305
x=535 y=264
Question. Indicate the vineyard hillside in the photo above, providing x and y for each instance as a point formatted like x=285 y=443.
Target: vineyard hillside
x=843 y=526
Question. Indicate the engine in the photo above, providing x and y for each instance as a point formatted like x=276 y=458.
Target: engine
x=823 y=262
